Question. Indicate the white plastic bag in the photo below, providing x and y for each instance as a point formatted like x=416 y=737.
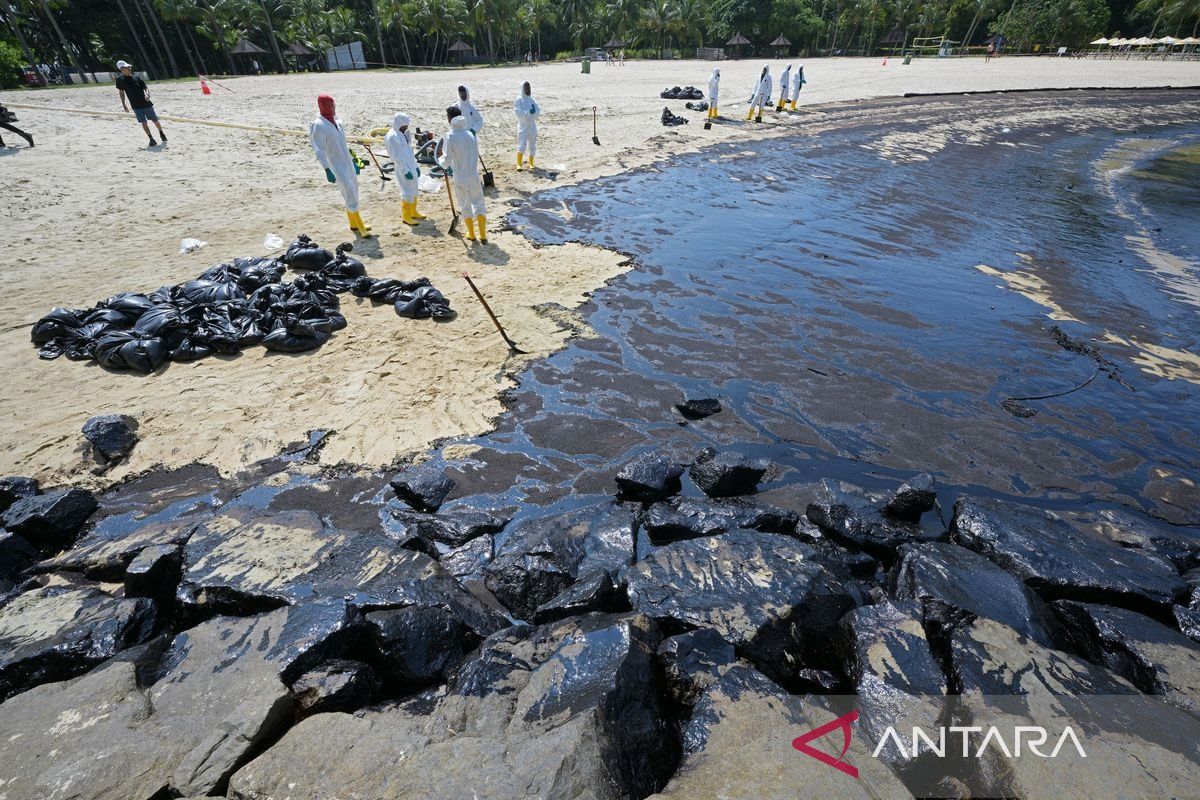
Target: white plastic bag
x=428 y=185
x=190 y=245
x=272 y=242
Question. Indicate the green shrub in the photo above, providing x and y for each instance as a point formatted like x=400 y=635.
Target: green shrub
x=11 y=65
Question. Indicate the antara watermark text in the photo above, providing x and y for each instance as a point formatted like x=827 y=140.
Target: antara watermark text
x=976 y=740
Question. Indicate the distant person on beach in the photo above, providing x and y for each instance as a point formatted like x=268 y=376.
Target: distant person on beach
x=328 y=140
x=622 y=57
x=257 y=68
x=798 y=81
x=133 y=88
x=714 y=86
x=459 y=157
x=399 y=146
x=527 y=111
x=468 y=109
x=991 y=51
x=784 y=80
x=761 y=93
x=7 y=118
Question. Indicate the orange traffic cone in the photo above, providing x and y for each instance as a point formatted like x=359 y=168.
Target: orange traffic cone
x=204 y=87
x=885 y=61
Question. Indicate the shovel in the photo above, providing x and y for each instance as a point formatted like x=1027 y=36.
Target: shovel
x=382 y=173
x=595 y=137
x=512 y=346
x=488 y=178
x=450 y=194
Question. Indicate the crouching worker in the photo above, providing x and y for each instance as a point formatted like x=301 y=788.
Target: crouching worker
x=328 y=140
x=460 y=159
x=399 y=147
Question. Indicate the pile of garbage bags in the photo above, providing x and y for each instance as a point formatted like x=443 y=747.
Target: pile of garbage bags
x=672 y=119
x=686 y=93
x=701 y=106
x=229 y=307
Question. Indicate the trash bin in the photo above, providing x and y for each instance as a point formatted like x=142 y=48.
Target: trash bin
x=587 y=66
x=907 y=59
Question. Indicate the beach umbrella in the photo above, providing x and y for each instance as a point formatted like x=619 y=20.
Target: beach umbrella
x=737 y=42
x=1143 y=41
x=1189 y=40
x=1100 y=41
x=780 y=44
x=247 y=48
x=614 y=42
x=462 y=48
x=1166 y=40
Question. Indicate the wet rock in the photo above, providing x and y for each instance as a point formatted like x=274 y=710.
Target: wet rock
x=699 y=407
x=338 y=685
x=15 y=555
x=896 y=678
x=568 y=710
x=844 y=563
x=106 y=555
x=1179 y=545
x=956 y=585
x=315 y=632
x=544 y=556
x=55 y=632
x=422 y=487
x=1059 y=561
x=50 y=521
x=913 y=498
x=744 y=707
x=1134 y=741
x=108 y=735
x=594 y=592
x=726 y=474
x=112 y=435
x=14 y=488
x=454 y=527
x=419 y=644
x=1151 y=656
x=758 y=591
x=694 y=661
x=467 y=562
x=648 y=478
x=852 y=521
x=154 y=572
x=1188 y=621
x=690 y=518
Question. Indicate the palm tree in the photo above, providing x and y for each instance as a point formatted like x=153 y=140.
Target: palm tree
x=66 y=46
x=214 y=23
x=166 y=45
x=181 y=13
x=397 y=15
x=268 y=8
x=542 y=12
x=661 y=17
x=14 y=24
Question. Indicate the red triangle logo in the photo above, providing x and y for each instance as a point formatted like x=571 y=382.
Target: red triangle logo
x=844 y=722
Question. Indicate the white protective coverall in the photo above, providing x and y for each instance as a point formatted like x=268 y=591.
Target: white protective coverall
x=527 y=111
x=468 y=109
x=460 y=153
x=762 y=91
x=783 y=85
x=797 y=82
x=329 y=143
x=714 y=84
x=399 y=148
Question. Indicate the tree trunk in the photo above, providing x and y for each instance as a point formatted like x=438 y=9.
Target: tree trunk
x=183 y=41
x=161 y=65
x=16 y=29
x=962 y=50
x=404 y=41
x=275 y=41
x=196 y=48
x=175 y=72
x=65 y=44
x=137 y=40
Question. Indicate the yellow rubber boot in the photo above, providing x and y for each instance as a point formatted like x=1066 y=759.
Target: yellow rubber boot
x=750 y=114
x=531 y=162
x=408 y=218
x=779 y=107
x=412 y=209
x=520 y=160
x=482 y=220
x=357 y=224
x=715 y=112
x=470 y=229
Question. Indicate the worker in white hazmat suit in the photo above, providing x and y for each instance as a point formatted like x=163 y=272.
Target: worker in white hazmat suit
x=527 y=112
x=399 y=147
x=783 y=87
x=328 y=140
x=762 y=93
x=460 y=159
x=798 y=81
x=714 y=85
x=468 y=109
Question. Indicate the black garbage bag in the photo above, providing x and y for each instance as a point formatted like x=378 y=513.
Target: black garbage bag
x=131 y=350
x=202 y=292
x=312 y=288
x=421 y=303
x=108 y=316
x=671 y=119
x=80 y=344
x=160 y=320
x=303 y=254
x=258 y=272
x=218 y=332
x=386 y=290
x=189 y=350
x=701 y=106
x=341 y=273
x=221 y=273
x=361 y=287
x=132 y=306
x=162 y=296
x=690 y=93
x=670 y=94
x=294 y=336
x=56 y=324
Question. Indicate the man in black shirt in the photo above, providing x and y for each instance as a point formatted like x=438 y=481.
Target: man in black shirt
x=132 y=87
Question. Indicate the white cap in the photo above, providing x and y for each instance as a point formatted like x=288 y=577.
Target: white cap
x=123 y=64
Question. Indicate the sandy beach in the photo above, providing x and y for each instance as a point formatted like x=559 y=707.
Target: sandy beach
x=91 y=212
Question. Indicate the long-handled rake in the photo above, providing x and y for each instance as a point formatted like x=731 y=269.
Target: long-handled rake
x=512 y=346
